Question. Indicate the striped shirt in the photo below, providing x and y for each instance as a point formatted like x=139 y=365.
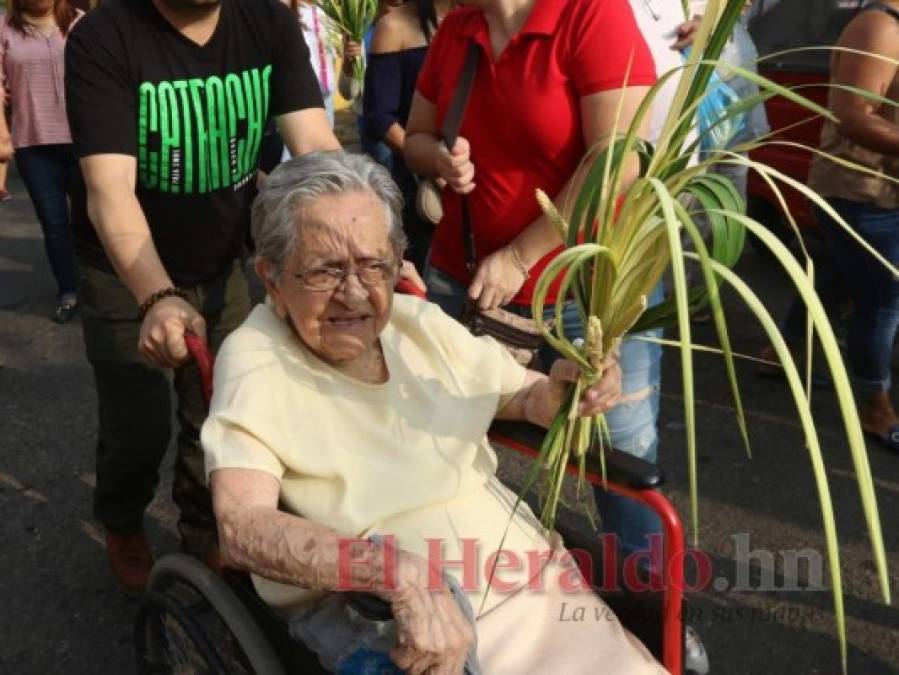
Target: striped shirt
x=32 y=75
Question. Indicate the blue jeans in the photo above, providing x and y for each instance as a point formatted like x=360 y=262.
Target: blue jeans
x=47 y=171
x=873 y=290
x=632 y=423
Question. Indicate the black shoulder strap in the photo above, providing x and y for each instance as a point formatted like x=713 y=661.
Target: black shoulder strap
x=450 y=129
x=880 y=7
x=456 y=111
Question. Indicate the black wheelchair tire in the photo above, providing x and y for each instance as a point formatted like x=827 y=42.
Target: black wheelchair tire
x=179 y=568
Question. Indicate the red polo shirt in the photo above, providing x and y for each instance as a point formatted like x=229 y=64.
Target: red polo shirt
x=523 y=119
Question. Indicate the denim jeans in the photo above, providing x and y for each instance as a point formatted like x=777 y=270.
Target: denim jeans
x=135 y=405
x=873 y=290
x=47 y=171
x=632 y=423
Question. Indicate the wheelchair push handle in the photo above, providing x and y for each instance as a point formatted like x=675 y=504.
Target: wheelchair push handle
x=406 y=287
x=202 y=356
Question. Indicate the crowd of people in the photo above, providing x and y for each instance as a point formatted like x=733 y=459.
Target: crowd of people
x=148 y=216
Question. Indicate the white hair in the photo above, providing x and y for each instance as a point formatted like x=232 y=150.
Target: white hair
x=301 y=180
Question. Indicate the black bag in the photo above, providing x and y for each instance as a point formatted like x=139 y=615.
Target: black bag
x=518 y=334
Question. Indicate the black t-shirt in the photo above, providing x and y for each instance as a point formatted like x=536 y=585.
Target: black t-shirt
x=192 y=115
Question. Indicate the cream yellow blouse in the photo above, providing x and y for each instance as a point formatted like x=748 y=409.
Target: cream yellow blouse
x=408 y=457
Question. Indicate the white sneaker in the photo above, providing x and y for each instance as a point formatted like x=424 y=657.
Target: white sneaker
x=696 y=660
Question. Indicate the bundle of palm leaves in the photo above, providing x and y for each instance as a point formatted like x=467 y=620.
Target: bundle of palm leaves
x=620 y=240
x=353 y=18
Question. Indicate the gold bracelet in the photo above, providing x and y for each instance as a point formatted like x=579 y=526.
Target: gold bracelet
x=518 y=262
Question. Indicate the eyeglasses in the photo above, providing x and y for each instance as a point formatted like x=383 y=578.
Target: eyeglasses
x=369 y=271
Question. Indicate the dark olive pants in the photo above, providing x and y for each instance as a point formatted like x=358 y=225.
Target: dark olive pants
x=135 y=404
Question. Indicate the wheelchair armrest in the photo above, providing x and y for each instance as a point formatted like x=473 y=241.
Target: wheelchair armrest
x=621 y=467
x=369 y=606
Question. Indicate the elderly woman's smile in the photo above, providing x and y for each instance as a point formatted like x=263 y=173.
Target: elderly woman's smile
x=336 y=282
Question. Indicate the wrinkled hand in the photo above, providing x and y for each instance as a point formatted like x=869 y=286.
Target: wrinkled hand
x=686 y=33
x=162 y=331
x=496 y=281
x=601 y=397
x=456 y=168
x=432 y=634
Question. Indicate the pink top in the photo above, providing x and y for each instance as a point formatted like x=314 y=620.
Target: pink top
x=31 y=73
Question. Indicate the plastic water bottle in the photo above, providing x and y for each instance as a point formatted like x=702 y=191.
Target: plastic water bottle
x=346 y=642
x=368 y=654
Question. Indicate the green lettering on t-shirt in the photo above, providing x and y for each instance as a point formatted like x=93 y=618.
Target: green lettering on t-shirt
x=237 y=110
x=199 y=135
x=215 y=113
x=170 y=168
x=187 y=170
x=255 y=125
x=196 y=88
x=146 y=123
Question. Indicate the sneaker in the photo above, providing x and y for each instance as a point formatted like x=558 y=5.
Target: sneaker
x=130 y=560
x=696 y=660
x=65 y=310
x=5 y=196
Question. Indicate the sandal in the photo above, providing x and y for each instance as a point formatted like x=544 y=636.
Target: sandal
x=890 y=440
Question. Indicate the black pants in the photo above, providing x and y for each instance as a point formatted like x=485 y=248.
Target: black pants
x=135 y=405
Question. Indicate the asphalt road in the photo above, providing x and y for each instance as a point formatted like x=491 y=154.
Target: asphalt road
x=61 y=613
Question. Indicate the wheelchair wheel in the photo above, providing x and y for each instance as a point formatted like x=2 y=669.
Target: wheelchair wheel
x=191 y=622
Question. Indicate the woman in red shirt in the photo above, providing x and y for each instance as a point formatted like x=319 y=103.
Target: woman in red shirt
x=551 y=77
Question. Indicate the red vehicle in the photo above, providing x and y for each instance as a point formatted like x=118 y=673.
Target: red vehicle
x=789 y=25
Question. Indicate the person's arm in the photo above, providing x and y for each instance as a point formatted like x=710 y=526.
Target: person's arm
x=426 y=154
x=101 y=107
x=305 y=131
x=540 y=395
x=254 y=535
x=860 y=118
x=5 y=136
x=123 y=231
x=499 y=277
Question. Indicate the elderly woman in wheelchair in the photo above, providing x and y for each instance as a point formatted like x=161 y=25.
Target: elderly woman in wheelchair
x=343 y=411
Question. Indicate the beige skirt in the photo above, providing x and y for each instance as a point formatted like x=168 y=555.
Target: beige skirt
x=556 y=630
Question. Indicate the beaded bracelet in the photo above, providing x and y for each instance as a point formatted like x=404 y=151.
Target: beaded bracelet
x=518 y=262
x=171 y=291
